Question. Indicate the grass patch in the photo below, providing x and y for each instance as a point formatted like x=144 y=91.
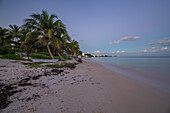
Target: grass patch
x=69 y=65
x=36 y=65
x=12 y=56
x=29 y=60
x=40 y=56
x=44 y=53
x=54 y=65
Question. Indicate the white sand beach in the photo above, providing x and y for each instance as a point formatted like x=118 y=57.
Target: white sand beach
x=89 y=88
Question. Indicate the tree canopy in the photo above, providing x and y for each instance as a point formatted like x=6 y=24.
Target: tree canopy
x=40 y=32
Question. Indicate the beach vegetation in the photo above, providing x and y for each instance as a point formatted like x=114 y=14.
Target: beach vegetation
x=39 y=56
x=36 y=64
x=69 y=65
x=12 y=56
x=42 y=36
x=51 y=65
x=88 y=55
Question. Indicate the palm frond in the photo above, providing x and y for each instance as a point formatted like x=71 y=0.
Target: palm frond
x=11 y=26
x=53 y=16
x=36 y=16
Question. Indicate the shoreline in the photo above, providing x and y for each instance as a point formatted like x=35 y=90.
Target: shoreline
x=152 y=79
x=90 y=87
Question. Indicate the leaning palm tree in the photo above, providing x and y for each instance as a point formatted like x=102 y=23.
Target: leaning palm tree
x=49 y=26
x=60 y=40
x=57 y=45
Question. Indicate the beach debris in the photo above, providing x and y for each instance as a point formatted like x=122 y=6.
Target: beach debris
x=5 y=92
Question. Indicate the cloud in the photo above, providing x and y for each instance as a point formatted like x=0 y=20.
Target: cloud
x=97 y=51
x=130 y=38
x=164 y=42
x=114 y=42
x=164 y=48
x=119 y=52
x=145 y=50
x=123 y=51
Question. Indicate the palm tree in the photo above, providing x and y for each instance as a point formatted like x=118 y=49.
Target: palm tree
x=30 y=42
x=57 y=45
x=74 y=46
x=22 y=36
x=14 y=30
x=60 y=40
x=48 y=25
x=5 y=42
x=3 y=36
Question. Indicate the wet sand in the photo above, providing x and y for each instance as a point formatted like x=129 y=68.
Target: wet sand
x=89 y=88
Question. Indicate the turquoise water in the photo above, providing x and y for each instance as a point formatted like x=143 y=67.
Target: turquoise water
x=154 y=71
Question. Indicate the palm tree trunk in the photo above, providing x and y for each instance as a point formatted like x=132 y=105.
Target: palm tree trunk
x=28 y=55
x=74 y=53
x=60 y=56
x=66 y=54
x=49 y=50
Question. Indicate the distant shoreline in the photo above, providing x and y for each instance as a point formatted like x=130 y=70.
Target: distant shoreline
x=90 y=55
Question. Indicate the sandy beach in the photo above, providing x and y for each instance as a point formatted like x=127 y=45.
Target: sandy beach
x=88 y=88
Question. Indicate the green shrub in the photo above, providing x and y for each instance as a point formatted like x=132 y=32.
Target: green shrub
x=29 y=60
x=89 y=55
x=12 y=56
x=45 y=53
x=69 y=65
x=4 y=51
x=56 y=57
x=40 y=56
x=36 y=65
x=54 y=65
x=66 y=57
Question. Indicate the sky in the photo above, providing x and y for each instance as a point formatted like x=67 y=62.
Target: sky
x=116 y=27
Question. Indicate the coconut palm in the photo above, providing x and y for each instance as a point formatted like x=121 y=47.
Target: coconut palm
x=49 y=26
x=30 y=42
x=60 y=40
x=57 y=45
x=5 y=42
x=74 y=47
x=22 y=36
x=3 y=36
x=14 y=30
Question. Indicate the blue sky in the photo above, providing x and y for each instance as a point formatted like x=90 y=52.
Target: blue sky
x=120 y=27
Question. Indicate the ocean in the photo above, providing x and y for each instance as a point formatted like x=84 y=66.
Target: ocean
x=151 y=70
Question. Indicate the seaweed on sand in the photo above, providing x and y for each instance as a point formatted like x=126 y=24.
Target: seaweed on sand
x=5 y=92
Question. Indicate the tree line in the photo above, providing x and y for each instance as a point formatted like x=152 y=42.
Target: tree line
x=40 y=33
